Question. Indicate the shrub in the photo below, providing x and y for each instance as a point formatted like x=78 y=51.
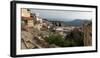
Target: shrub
x=55 y=39
x=58 y=39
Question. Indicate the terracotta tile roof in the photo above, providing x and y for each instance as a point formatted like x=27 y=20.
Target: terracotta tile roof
x=26 y=18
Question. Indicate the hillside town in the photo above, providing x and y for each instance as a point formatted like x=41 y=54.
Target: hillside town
x=37 y=32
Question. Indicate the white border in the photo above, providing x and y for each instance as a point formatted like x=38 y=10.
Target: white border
x=19 y=51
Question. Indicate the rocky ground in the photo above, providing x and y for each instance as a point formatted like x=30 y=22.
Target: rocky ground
x=33 y=39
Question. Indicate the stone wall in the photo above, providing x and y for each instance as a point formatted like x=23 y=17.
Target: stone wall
x=87 y=29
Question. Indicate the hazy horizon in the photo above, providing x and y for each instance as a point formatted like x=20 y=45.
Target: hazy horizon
x=60 y=15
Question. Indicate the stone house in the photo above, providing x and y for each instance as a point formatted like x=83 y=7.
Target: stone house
x=26 y=19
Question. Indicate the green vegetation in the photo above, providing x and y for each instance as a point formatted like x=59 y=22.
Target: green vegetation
x=57 y=39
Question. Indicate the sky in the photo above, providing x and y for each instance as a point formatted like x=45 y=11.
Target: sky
x=63 y=15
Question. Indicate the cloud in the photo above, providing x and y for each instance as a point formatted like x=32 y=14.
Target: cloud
x=65 y=15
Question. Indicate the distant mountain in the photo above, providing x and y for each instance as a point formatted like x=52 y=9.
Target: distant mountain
x=76 y=22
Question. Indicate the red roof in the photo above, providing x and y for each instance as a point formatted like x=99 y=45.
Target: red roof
x=26 y=18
